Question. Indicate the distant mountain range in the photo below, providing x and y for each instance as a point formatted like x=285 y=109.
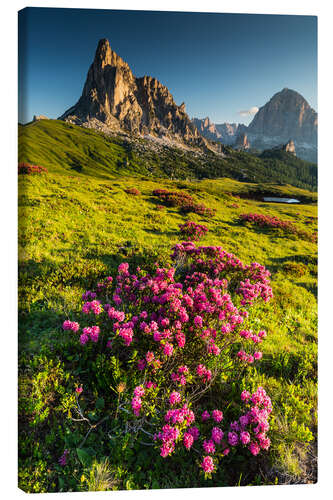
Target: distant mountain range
x=286 y=116
x=114 y=100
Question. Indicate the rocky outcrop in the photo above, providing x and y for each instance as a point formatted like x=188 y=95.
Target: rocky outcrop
x=225 y=133
x=242 y=142
x=289 y=147
x=287 y=115
x=207 y=128
x=115 y=98
x=37 y=118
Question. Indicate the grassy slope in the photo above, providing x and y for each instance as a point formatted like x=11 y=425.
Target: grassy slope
x=75 y=228
x=61 y=147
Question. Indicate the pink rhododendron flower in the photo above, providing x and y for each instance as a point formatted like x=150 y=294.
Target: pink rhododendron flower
x=245 y=437
x=141 y=364
x=217 y=435
x=168 y=349
x=194 y=431
x=233 y=438
x=208 y=446
x=245 y=396
x=67 y=324
x=150 y=357
x=188 y=440
x=217 y=415
x=208 y=464
x=139 y=391
x=174 y=398
x=254 y=448
x=205 y=415
x=84 y=338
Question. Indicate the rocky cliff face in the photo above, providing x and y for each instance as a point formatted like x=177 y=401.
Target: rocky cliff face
x=113 y=97
x=287 y=115
x=224 y=132
x=242 y=142
x=207 y=128
x=289 y=147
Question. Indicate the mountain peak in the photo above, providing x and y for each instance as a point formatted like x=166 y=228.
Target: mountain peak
x=105 y=56
x=287 y=115
x=114 y=99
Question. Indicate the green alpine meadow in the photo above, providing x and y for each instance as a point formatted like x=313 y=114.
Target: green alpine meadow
x=76 y=225
x=167 y=264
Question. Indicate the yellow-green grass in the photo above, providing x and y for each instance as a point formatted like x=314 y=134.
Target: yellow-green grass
x=74 y=229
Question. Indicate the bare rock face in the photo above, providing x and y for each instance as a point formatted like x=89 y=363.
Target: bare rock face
x=113 y=96
x=242 y=142
x=37 y=118
x=287 y=115
x=207 y=128
x=290 y=147
x=225 y=133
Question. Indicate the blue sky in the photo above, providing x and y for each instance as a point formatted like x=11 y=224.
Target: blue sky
x=218 y=64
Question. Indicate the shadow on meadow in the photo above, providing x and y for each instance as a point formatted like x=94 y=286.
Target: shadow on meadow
x=294 y=367
x=297 y=266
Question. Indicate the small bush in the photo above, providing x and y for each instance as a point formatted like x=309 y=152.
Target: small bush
x=192 y=231
x=295 y=268
x=276 y=223
x=169 y=336
x=133 y=191
x=27 y=169
x=184 y=201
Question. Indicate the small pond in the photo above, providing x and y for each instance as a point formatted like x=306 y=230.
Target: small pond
x=281 y=200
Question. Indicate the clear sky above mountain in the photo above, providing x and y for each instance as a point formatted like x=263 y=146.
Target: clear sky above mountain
x=218 y=64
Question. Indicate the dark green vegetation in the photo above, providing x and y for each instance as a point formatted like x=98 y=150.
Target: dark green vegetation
x=77 y=223
x=62 y=146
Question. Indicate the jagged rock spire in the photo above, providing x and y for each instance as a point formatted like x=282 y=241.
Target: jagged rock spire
x=113 y=96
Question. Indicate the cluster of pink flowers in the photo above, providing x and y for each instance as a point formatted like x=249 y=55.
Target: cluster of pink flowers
x=27 y=168
x=252 y=280
x=251 y=428
x=204 y=373
x=208 y=465
x=183 y=200
x=174 y=398
x=134 y=191
x=89 y=333
x=136 y=403
x=181 y=329
x=181 y=376
x=274 y=222
x=192 y=231
x=267 y=221
x=71 y=325
x=93 y=306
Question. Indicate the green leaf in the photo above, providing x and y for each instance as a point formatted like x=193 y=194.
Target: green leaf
x=100 y=403
x=84 y=456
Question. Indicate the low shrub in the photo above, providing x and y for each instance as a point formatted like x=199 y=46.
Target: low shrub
x=192 y=231
x=27 y=168
x=295 y=268
x=133 y=191
x=171 y=336
x=274 y=222
x=184 y=201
